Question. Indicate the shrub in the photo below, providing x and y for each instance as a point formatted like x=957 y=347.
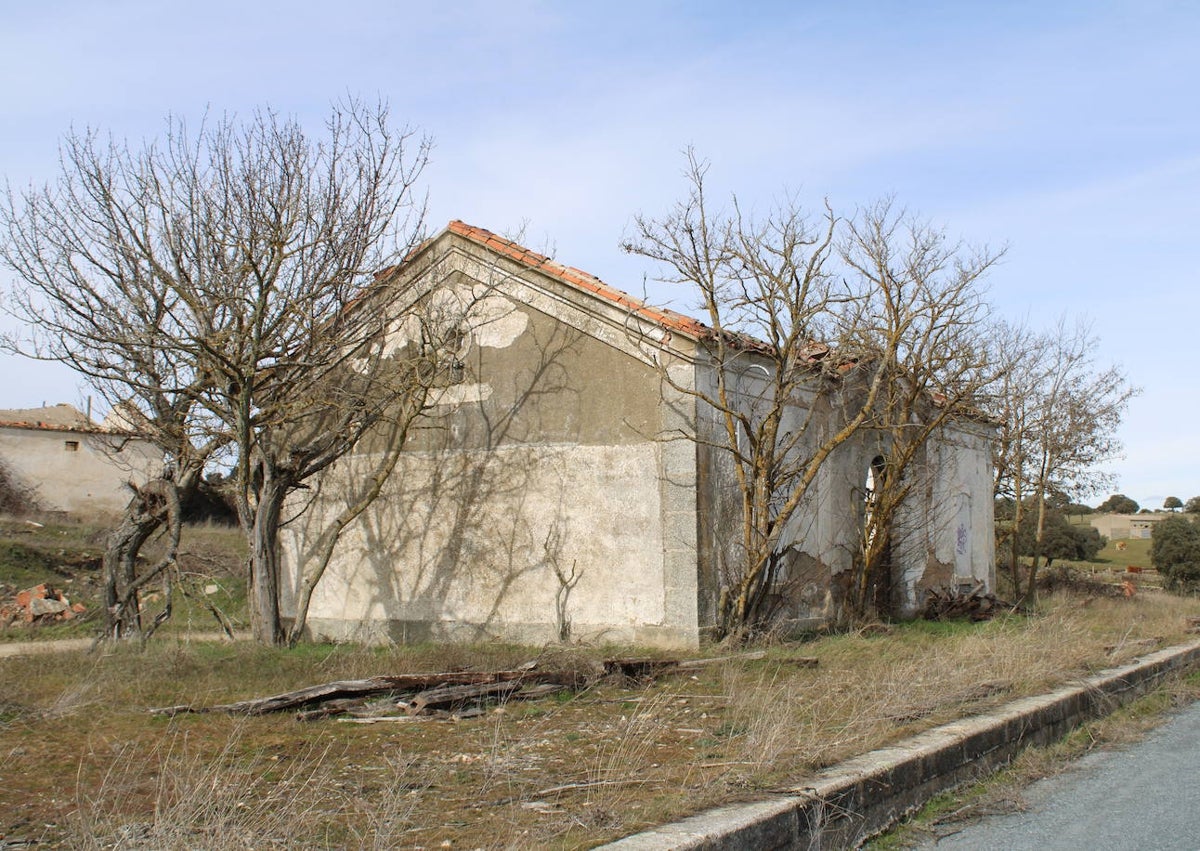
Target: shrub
x=16 y=497
x=1175 y=551
x=1062 y=539
x=1118 y=503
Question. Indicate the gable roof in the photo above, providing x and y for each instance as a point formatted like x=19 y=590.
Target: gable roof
x=814 y=353
x=60 y=417
x=581 y=280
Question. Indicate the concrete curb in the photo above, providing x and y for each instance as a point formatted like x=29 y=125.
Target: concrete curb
x=845 y=804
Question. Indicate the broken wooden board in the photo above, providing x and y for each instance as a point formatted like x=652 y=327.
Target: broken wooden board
x=447 y=697
x=381 y=685
x=643 y=668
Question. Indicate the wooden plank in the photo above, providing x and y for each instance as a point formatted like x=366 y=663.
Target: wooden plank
x=397 y=684
x=450 y=696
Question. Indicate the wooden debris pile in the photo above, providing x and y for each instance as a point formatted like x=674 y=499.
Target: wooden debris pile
x=449 y=694
x=950 y=603
x=1065 y=578
x=39 y=604
x=641 y=669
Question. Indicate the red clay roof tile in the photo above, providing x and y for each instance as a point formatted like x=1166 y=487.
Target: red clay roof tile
x=581 y=279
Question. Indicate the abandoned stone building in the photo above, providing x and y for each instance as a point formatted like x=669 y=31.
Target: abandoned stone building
x=1114 y=526
x=66 y=462
x=558 y=490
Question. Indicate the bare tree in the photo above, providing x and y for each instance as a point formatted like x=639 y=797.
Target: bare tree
x=1061 y=416
x=770 y=301
x=96 y=289
x=233 y=271
x=918 y=316
x=1023 y=366
x=288 y=234
x=816 y=340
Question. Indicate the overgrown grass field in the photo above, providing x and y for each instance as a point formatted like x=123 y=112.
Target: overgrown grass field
x=87 y=766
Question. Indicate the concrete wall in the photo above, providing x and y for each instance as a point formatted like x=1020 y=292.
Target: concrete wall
x=536 y=500
x=809 y=544
x=948 y=530
x=844 y=805
x=943 y=534
x=77 y=471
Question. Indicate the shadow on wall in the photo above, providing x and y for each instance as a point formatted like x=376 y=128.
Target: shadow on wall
x=468 y=535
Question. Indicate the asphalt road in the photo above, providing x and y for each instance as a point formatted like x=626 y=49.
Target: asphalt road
x=1144 y=797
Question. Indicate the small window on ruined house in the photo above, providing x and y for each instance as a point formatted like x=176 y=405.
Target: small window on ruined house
x=874 y=481
x=874 y=484
x=71 y=445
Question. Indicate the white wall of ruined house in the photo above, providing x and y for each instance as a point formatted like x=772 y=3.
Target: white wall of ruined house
x=481 y=543
x=78 y=472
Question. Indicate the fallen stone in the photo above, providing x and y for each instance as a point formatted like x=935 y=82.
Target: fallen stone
x=43 y=606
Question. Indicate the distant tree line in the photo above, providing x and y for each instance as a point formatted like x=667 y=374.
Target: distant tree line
x=1119 y=503
x=1061 y=539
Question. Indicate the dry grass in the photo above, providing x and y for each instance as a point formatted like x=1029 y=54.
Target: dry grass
x=83 y=765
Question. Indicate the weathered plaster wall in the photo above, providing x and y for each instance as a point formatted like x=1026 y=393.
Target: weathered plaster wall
x=806 y=559
x=942 y=534
x=537 y=499
x=75 y=471
x=504 y=543
x=964 y=499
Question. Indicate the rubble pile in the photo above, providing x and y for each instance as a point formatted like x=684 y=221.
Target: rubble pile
x=39 y=604
x=976 y=604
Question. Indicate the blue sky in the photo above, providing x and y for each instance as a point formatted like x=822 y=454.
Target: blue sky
x=1068 y=131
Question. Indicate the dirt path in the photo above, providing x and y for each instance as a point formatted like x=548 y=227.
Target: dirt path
x=63 y=645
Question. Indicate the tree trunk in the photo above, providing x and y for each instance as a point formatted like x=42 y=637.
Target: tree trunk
x=122 y=617
x=1014 y=556
x=152 y=506
x=264 y=559
x=1029 y=599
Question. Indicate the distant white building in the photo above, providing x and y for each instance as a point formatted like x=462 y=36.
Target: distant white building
x=1117 y=526
x=70 y=463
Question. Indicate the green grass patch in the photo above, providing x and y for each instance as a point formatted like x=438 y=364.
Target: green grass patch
x=1136 y=552
x=209 y=574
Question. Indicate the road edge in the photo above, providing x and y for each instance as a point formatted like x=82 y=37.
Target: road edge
x=842 y=805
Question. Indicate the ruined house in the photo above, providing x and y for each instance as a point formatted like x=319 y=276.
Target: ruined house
x=63 y=461
x=557 y=489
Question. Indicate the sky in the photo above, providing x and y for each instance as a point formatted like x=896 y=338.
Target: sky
x=1067 y=132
